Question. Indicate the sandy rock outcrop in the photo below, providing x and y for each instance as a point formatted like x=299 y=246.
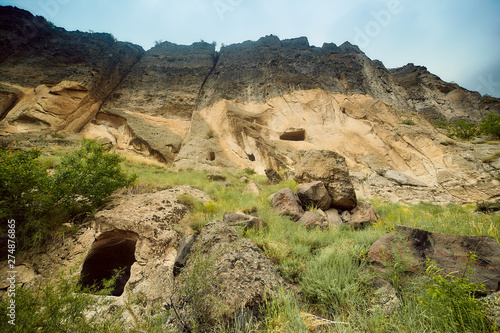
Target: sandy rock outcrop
x=134 y=233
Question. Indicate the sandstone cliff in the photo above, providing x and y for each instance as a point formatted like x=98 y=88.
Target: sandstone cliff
x=254 y=104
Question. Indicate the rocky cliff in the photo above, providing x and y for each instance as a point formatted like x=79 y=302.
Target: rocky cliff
x=254 y=104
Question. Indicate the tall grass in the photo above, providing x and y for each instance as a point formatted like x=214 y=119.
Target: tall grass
x=327 y=267
x=451 y=219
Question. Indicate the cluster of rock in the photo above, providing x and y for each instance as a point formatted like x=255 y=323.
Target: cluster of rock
x=327 y=189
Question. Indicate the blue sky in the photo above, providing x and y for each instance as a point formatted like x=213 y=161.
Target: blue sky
x=458 y=40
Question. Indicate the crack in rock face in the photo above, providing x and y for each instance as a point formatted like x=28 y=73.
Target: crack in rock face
x=112 y=251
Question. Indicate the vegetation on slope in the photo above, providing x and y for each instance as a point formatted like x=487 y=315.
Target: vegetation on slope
x=328 y=268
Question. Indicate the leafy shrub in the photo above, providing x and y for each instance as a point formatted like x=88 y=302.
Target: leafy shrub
x=89 y=175
x=451 y=300
x=40 y=202
x=464 y=130
x=441 y=124
x=249 y=171
x=490 y=125
x=23 y=184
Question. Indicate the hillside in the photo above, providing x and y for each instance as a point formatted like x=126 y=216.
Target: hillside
x=270 y=186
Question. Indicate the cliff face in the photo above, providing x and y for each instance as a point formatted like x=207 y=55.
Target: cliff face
x=54 y=79
x=254 y=104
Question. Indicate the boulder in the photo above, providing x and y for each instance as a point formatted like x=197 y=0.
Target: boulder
x=360 y=216
x=152 y=218
x=252 y=187
x=183 y=252
x=285 y=202
x=330 y=168
x=225 y=274
x=314 y=194
x=312 y=220
x=273 y=176
x=385 y=300
x=333 y=217
x=413 y=247
x=247 y=221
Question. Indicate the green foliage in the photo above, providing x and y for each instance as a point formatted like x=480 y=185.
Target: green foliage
x=464 y=130
x=490 y=125
x=59 y=305
x=40 y=199
x=283 y=314
x=409 y=122
x=335 y=282
x=441 y=124
x=190 y=201
x=491 y=158
x=203 y=309
x=450 y=219
x=210 y=134
x=249 y=171
x=23 y=183
x=451 y=300
x=88 y=176
x=448 y=143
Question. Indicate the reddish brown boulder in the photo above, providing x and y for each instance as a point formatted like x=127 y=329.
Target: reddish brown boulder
x=285 y=202
x=361 y=216
x=412 y=247
x=312 y=220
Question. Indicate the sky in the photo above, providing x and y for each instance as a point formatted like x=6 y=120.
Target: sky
x=458 y=40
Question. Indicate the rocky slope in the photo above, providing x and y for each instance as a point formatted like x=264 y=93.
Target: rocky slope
x=254 y=104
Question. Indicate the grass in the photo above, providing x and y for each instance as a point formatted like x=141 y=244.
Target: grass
x=327 y=267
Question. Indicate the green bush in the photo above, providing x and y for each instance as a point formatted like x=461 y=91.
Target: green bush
x=451 y=300
x=88 y=176
x=490 y=125
x=463 y=130
x=39 y=199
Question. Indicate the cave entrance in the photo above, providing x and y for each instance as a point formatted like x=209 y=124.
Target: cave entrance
x=294 y=134
x=112 y=252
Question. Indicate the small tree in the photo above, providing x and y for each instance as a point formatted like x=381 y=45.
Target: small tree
x=39 y=202
x=464 y=130
x=490 y=125
x=88 y=176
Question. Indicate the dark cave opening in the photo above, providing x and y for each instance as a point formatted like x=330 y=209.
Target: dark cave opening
x=251 y=157
x=211 y=156
x=298 y=134
x=113 y=251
